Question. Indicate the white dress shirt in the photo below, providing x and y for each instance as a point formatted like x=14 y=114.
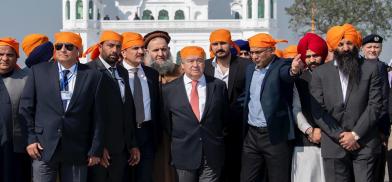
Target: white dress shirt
x=145 y=89
x=73 y=70
x=344 y=83
x=120 y=81
x=219 y=73
x=201 y=90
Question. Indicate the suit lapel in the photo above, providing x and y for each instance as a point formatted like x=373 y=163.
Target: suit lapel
x=149 y=81
x=182 y=94
x=232 y=74
x=80 y=77
x=54 y=80
x=209 y=69
x=335 y=77
x=209 y=95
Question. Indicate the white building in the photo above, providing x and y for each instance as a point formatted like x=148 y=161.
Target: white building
x=189 y=22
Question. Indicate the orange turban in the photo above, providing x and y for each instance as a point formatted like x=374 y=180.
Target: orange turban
x=30 y=42
x=69 y=37
x=9 y=41
x=279 y=53
x=192 y=51
x=290 y=51
x=105 y=36
x=131 y=39
x=263 y=40
x=222 y=35
x=337 y=33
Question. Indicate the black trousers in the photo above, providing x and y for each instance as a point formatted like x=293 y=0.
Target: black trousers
x=379 y=167
x=352 y=166
x=260 y=156
x=115 y=172
x=233 y=145
x=14 y=167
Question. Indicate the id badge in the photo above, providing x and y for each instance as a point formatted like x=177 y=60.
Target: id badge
x=66 y=95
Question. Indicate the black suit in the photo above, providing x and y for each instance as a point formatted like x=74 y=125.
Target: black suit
x=359 y=112
x=119 y=126
x=191 y=139
x=233 y=142
x=269 y=146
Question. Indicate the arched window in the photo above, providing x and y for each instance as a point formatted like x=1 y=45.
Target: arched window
x=179 y=15
x=249 y=8
x=98 y=15
x=197 y=15
x=272 y=8
x=146 y=15
x=237 y=16
x=90 y=10
x=68 y=10
x=163 y=15
x=178 y=58
x=79 y=9
x=260 y=9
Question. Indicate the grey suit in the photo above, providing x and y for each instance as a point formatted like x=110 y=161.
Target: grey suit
x=359 y=112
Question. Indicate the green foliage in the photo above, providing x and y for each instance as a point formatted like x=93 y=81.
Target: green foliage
x=369 y=16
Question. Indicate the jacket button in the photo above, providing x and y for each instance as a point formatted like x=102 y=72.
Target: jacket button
x=200 y=139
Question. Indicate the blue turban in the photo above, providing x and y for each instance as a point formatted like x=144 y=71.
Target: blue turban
x=244 y=45
x=40 y=54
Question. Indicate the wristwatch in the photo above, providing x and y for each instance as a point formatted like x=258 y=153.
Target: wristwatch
x=309 y=131
x=356 y=137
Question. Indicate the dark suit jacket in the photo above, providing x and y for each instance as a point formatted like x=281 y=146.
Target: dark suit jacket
x=119 y=126
x=359 y=112
x=44 y=120
x=191 y=139
x=384 y=123
x=276 y=99
x=6 y=115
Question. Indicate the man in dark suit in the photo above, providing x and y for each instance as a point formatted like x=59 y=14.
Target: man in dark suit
x=119 y=133
x=60 y=109
x=371 y=49
x=230 y=69
x=14 y=162
x=346 y=106
x=268 y=119
x=195 y=112
x=144 y=84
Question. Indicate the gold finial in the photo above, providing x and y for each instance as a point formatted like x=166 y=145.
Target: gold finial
x=313 y=13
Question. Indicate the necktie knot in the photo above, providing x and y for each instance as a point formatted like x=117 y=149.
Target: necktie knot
x=194 y=83
x=113 y=71
x=135 y=70
x=65 y=73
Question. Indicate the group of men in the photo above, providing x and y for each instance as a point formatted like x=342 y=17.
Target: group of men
x=246 y=114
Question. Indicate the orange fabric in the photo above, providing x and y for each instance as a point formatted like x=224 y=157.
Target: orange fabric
x=222 y=35
x=192 y=51
x=9 y=41
x=30 y=42
x=338 y=33
x=263 y=40
x=105 y=36
x=69 y=37
x=279 y=53
x=290 y=51
x=131 y=39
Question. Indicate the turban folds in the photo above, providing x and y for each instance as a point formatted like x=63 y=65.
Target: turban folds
x=9 y=41
x=69 y=37
x=242 y=44
x=290 y=51
x=131 y=39
x=192 y=51
x=263 y=40
x=338 y=33
x=30 y=42
x=42 y=53
x=105 y=36
x=314 y=43
x=222 y=35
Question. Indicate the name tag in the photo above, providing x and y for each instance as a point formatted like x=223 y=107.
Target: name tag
x=66 y=95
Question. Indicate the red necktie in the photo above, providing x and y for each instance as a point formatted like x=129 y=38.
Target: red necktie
x=195 y=100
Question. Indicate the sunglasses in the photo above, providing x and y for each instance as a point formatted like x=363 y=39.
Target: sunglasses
x=69 y=47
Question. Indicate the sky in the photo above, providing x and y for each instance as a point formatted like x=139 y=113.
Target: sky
x=22 y=17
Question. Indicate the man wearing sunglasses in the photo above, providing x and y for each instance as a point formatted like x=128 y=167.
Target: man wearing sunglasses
x=60 y=108
x=119 y=135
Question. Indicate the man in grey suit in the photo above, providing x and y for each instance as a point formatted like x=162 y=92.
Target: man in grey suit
x=346 y=104
x=14 y=161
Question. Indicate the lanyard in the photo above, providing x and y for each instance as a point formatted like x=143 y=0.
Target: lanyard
x=64 y=83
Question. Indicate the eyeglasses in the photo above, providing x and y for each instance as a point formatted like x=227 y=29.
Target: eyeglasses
x=69 y=47
x=312 y=56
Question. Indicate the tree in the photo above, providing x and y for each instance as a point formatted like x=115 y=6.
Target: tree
x=369 y=16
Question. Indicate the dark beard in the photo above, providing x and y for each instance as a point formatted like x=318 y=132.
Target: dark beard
x=165 y=68
x=349 y=64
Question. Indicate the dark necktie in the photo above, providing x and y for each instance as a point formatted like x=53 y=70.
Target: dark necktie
x=64 y=86
x=138 y=97
x=113 y=72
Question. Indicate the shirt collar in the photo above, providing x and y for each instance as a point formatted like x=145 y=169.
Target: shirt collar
x=72 y=69
x=107 y=66
x=266 y=68
x=215 y=64
x=201 y=80
x=130 y=67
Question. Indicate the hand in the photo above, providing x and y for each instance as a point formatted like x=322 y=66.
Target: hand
x=134 y=157
x=34 y=150
x=92 y=161
x=348 y=142
x=105 y=158
x=316 y=135
x=296 y=65
x=308 y=133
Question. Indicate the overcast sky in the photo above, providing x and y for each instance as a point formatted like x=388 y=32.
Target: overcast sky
x=22 y=17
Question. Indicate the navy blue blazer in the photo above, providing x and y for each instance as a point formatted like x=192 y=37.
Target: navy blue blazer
x=43 y=119
x=276 y=99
